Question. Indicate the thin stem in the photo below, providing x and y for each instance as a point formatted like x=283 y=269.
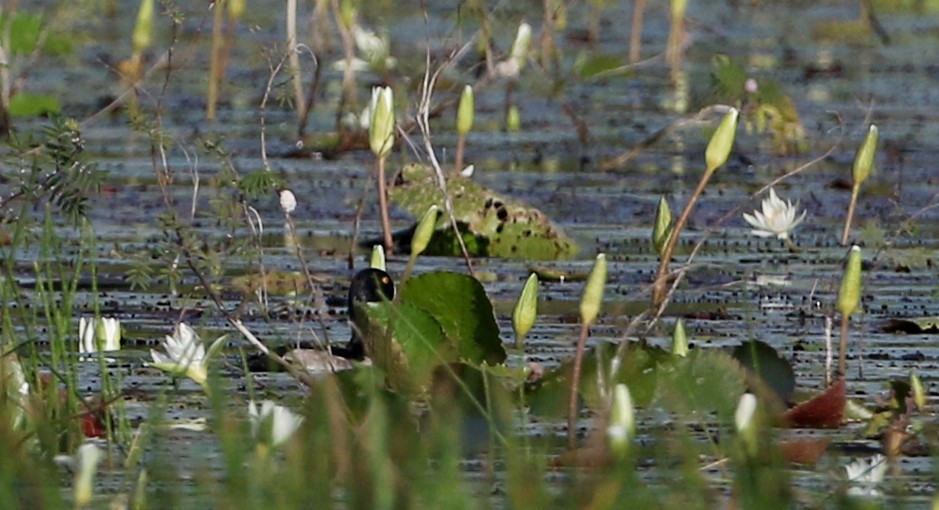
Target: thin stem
x=855 y=190
x=460 y=148
x=843 y=347
x=383 y=204
x=575 y=387
x=658 y=293
x=635 y=37
x=215 y=71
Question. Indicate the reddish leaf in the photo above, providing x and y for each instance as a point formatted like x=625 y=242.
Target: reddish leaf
x=825 y=411
x=803 y=451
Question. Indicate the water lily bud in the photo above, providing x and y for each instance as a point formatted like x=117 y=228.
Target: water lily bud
x=513 y=121
x=864 y=159
x=721 y=141
x=849 y=294
x=381 y=128
x=526 y=308
x=86 y=465
x=465 y=111
x=593 y=292
x=288 y=201
x=520 y=46
x=679 y=339
x=622 y=420
x=378 y=257
x=919 y=392
x=142 y=37
x=743 y=420
x=236 y=8
x=424 y=231
x=663 y=226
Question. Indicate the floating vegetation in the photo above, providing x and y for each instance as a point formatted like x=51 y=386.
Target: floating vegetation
x=501 y=226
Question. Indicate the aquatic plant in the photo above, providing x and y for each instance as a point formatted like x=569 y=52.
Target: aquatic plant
x=272 y=425
x=715 y=155
x=185 y=355
x=776 y=219
x=98 y=335
x=590 y=303
x=381 y=140
x=849 y=297
x=863 y=162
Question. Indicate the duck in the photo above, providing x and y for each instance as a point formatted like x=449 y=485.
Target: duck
x=369 y=285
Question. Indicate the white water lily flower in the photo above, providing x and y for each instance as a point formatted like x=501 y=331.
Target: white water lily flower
x=777 y=219
x=373 y=48
x=864 y=473
x=185 y=355
x=86 y=465
x=271 y=423
x=99 y=335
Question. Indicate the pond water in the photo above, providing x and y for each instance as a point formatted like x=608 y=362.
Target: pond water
x=838 y=83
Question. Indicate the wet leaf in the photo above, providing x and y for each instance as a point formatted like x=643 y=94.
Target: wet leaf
x=409 y=350
x=705 y=381
x=766 y=363
x=913 y=326
x=511 y=229
x=824 y=411
x=548 y=396
x=459 y=304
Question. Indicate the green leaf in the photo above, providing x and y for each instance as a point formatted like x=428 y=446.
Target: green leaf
x=25 y=104
x=24 y=33
x=590 y=65
x=513 y=229
x=766 y=363
x=459 y=304
x=705 y=381
x=408 y=351
x=549 y=395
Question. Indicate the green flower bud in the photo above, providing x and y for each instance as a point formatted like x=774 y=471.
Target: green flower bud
x=919 y=392
x=526 y=308
x=721 y=141
x=464 y=112
x=142 y=37
x=864 y=159
x=679 y=339
x=424 y=231
x=593 y=292
x=236 y=8
x=378 y=257
x=663 y=226
x=622 y=425
x=849 y=294
x=381 y=128
x=513 y=121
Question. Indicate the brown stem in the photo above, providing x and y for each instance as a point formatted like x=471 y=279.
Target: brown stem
x=383 y=204
x=658 y=293
x=575 y=387
x=460 y=147
x=215 y=71
x=855 y=190
x=843 y=347
x=635 y=37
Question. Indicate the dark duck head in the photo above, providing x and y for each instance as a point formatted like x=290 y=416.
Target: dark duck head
x=368 y=286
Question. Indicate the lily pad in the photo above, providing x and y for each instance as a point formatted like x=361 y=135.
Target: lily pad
x=406 y=343
x=914 y=326
x=766 y=363
x=511 y=228
x=549 y=395
x=459 y=304
x=705 y=381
